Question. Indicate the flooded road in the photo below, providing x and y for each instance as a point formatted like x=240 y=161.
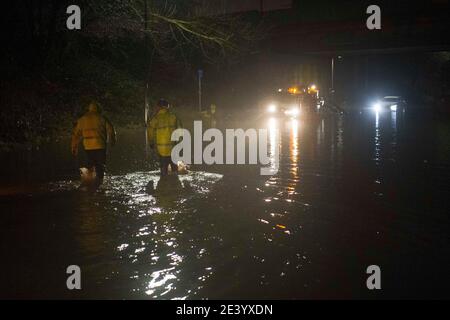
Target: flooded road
x=351 y=191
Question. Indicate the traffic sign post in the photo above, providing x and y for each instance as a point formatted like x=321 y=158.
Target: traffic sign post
x=200 y=76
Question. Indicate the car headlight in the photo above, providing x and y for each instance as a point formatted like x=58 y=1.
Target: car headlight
x=293 y=112
x=376 y=107
x=272 y=108
x=394 y=107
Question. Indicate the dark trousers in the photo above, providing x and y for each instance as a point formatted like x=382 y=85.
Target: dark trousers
x=97 y=159
x=164 y=163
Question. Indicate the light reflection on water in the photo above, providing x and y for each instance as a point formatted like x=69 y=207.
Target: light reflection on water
x=161 y=239
x=377 y=149
x=150 y=231
x=336 y=203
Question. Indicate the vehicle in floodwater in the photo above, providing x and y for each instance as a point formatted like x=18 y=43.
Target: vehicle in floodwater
x=392 y=103
x=293 y=102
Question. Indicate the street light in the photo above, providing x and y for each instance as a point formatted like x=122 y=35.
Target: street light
x=332 y=75
x=200 y=76
x=332 y=72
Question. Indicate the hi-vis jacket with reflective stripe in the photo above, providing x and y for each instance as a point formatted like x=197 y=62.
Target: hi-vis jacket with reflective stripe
x=159 y=131
x=94 y=129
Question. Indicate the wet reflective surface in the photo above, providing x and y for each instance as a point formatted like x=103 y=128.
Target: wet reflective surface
x=351 y=191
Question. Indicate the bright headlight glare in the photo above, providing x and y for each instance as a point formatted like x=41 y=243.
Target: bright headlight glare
x=272 y=108
x=294 y=111
x=377 y=107
x=394 y=107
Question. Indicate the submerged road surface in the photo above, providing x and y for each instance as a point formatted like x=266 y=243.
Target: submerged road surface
x=351 y=191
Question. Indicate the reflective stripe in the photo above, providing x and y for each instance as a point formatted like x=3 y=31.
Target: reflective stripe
x=160 y=130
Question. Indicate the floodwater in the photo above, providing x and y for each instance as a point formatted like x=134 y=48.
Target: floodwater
x=351 y=191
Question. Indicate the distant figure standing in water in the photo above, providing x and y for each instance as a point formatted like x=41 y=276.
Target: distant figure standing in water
x=159 y=132
x=96 y=131
x=209 y=116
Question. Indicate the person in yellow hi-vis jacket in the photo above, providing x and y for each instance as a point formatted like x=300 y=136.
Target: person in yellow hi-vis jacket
x=159 y=132
x=96 y=131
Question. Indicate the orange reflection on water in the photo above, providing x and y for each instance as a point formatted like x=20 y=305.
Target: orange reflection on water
x=293 y=154
x=274 y=142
